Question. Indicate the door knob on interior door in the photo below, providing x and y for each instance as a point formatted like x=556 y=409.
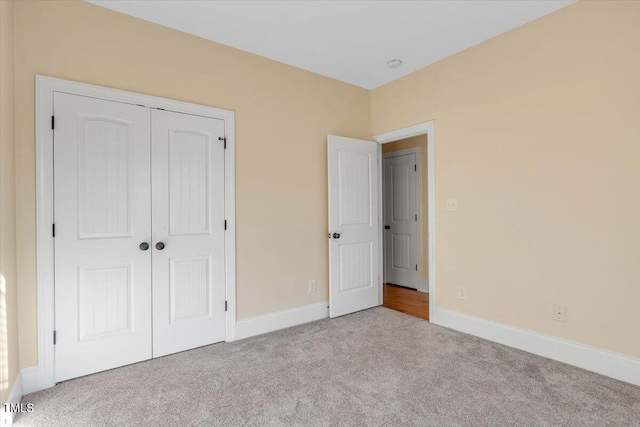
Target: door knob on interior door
x=159 y=246
x=336 y=235
x=387 y=227
x=144 y=246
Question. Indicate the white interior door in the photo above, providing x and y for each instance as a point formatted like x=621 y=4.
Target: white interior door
x=188 y=232
x=401 y=220
x=102 y=216
x=353 y=225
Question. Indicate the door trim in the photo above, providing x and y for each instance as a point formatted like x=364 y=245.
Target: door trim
x=424 y=128
x=45 y=89
x=414 y=150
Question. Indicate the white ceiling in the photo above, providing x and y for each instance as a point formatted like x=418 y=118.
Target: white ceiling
x=345 y=40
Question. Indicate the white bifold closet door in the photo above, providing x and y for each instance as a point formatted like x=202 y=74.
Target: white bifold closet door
x=102 y=171
x=188 y=220
x=353 y=225
x=139 y=233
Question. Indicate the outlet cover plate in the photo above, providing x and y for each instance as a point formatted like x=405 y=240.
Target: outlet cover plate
x=451 y=205
x=559 y=313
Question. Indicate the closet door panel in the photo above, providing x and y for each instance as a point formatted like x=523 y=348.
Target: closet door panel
x=102 y=214
x=188 y=231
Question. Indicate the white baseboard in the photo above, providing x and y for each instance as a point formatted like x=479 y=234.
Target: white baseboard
x=424 y=286
x=281 y=319
x=15 y=396
x=614 y=365
x=30 y=379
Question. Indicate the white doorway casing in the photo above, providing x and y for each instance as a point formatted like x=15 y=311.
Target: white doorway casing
x=43 y=375
x=425 y=128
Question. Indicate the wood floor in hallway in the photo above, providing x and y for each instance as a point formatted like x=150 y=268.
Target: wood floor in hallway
x=406 y=300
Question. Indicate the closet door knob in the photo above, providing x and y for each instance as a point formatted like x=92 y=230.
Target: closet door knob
x=159 y=246
x=144 y=246
x=336 y=235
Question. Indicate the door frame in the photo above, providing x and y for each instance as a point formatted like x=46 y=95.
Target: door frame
x=417 y=151
x=424 y=128
x=46 y=87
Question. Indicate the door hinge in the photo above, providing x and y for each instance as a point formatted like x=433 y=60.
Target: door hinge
x=225 y=224
x=416 y=217
x=53 y=122
x=415 y=168
x=226 y=306
x=53 y=230
x=416 y=267
x=224 y=139
x=54 y=338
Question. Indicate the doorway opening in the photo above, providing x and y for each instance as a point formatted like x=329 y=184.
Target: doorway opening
x=356 y=221
x=405 y=218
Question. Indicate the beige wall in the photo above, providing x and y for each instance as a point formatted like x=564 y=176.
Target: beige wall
x=283 y=115
x=537 y=134
x=8 y=289
x=419 y=141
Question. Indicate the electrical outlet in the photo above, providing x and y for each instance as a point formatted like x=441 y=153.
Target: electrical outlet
x=559 y=313
x=451 y=205
x=462 y=292
x=312 y=286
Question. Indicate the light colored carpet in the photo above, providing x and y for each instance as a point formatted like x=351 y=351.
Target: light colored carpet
x=375 y=367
